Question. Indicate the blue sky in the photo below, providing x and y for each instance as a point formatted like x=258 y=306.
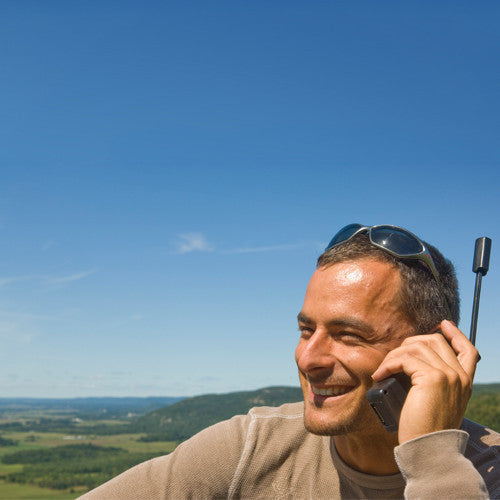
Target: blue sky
x=170 y=171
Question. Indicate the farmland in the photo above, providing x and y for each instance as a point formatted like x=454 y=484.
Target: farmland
x=52 y=452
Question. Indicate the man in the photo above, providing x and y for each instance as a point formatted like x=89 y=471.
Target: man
x=380 y=302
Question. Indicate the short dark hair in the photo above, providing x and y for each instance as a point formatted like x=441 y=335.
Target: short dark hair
x=420 y=297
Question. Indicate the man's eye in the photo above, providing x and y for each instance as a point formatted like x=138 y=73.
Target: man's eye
x=306 y=331
x=350 y=336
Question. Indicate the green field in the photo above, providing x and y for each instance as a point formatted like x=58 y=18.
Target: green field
x=32 y=441
x=11 y=491
x=42 y=440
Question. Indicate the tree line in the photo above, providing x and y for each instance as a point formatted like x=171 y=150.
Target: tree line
x=73 y=465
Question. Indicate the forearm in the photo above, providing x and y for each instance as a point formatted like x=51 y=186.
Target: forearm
x=434 y=467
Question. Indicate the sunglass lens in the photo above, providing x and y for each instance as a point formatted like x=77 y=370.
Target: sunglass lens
x=396 y=240
x=344 y=234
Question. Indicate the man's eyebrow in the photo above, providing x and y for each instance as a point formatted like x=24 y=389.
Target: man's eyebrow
x=342 y=322
x=302 y=318
x=354 y=323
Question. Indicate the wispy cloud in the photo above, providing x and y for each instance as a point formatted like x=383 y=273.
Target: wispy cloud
x=192 y=242
x=44 y=279
x=63 y=280
x=266 y=248
x=197 y=242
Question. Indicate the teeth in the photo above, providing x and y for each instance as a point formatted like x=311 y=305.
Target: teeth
x=330 y=391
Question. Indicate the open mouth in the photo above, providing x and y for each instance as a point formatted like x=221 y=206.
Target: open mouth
x=330 y=391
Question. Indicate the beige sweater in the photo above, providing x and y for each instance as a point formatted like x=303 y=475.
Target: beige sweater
x=269 y=454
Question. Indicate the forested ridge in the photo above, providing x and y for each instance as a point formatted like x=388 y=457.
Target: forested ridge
x=185 y=418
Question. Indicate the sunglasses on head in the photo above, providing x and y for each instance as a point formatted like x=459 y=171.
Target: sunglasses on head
x=396 y=241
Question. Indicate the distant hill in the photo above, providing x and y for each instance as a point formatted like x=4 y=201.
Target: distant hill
x=486 y=388
x=484 y=405
x=86 y=408
x=182 y=420
x=176 y=419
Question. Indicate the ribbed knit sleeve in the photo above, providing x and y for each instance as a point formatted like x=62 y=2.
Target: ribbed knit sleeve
x=434 y=467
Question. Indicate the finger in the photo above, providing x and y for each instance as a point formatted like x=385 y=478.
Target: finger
x=467 y=354
x=417 y=358
x=438 y=343
x=452 y=345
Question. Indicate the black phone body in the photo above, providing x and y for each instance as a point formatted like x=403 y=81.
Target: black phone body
x=387 y=398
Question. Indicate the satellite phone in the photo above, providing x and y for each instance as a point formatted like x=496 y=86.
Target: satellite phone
x=388 y=396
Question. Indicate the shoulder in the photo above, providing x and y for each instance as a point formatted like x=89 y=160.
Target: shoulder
x=280 y=458
x=288 y=411
x=259 y=418
x=278 y=432
x=261 y=423
x=265 y=426
x=286 y=420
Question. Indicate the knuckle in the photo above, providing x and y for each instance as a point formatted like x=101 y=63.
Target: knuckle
x=454 y=378
x=412 y=339
x=467 y=382
x=392 y=354
x=439 y=377
x=415 y=339
x=468 y=387
x=476 y=354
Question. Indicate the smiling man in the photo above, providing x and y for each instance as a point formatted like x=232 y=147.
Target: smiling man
x=349 y=321
x=380 y=302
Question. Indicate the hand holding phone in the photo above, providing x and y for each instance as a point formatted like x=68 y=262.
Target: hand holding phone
x=441 y=368
x=388 y=396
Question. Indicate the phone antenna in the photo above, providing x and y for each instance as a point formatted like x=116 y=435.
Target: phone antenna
x=480 y=266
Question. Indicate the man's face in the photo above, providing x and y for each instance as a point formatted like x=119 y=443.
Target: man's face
x=349 y=321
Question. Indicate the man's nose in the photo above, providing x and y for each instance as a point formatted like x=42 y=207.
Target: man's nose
x=316 y=353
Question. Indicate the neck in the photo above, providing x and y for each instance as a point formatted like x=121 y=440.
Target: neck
x=371 y=454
